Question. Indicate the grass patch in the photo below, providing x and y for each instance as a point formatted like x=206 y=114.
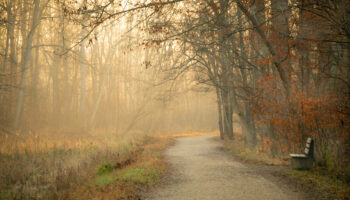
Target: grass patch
x=238 y=148
x=105 y=179
x=324 y=185
x=106 y=168
x=126 y=181
x=140 y=175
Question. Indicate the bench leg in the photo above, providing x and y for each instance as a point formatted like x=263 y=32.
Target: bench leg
x=301 y=163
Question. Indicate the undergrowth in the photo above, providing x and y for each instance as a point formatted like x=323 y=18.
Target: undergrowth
x=126 y=181
x=81 y=166
x=241 y=151
x=45 y=166
x=326 y=185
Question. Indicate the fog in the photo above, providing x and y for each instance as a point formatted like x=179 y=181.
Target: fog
x=102 y=83
x=78 y=77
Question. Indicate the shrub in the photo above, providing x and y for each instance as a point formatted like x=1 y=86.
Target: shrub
x=105 y=168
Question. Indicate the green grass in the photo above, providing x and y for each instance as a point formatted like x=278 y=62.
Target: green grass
x=144 y=173
x=106 y=168
x=139 y=175
x=105 y=179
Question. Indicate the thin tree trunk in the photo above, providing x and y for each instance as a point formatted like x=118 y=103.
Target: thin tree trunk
x=250 y=135
x=104 y=79
x=8 y=32
x=35 y=78
x=13 y=60
x=83 y=71
x=65 y=86
x=219 y=112
x=26 y=60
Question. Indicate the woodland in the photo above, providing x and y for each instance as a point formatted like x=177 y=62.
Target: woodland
x=81 y=77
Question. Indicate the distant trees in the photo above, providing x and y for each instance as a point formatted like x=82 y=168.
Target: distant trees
x=65 y=67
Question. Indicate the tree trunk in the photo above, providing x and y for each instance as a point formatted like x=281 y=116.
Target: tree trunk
x=13 y=61
x=26 y=60
x=8 y=32
x=249 y=126
x=218 y=96
x=83 y=71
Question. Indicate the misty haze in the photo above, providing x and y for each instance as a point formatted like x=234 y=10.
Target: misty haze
x=174 y=99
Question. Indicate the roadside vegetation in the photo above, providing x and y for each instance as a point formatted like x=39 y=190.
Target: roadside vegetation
x=320 y=181
x=128 y=180
x=49 y=167
x=96 y=166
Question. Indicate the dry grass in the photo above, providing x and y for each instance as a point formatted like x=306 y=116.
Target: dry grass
x=47 y=141
x=238 y=147
x=320 y=181
x=51 y=165
x=189 y=134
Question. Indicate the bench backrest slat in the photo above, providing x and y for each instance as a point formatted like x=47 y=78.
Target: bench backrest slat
x=309 y=148
x=306 y=151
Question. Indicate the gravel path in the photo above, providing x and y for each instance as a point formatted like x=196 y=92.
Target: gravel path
x=202 y=171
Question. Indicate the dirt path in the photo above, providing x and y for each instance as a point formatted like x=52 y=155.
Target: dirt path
x=202 y=171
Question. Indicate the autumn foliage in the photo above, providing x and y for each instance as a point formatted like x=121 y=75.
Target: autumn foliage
x=299 y=87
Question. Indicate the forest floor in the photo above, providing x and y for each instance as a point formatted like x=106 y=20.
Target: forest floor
x=200 y=169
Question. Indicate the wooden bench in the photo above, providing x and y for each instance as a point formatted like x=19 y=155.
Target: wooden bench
x=305 y=160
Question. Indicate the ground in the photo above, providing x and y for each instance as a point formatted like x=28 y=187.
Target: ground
x=201 y=170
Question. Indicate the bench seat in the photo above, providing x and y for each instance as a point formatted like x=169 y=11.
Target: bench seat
x=298 y=155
